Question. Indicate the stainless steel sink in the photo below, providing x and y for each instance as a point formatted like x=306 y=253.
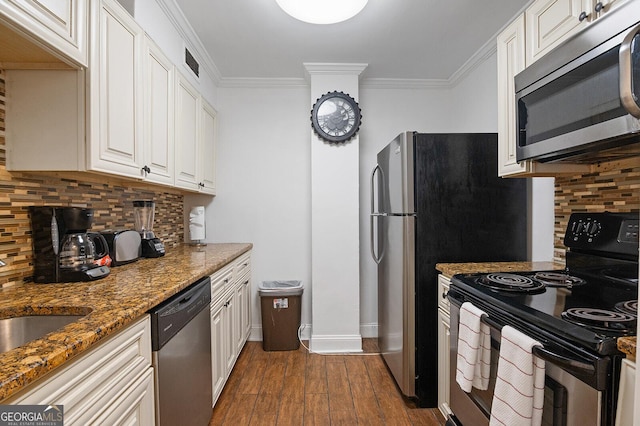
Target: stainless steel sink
x=18 y=331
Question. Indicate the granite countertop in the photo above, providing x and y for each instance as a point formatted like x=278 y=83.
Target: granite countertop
x=627 y=345
x=110 y=304
x=450 y=269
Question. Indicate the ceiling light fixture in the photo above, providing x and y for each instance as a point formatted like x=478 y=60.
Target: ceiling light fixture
x=322 y=11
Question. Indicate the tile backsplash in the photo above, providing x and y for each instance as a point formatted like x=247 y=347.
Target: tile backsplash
x=110 y=198
x=615 y=189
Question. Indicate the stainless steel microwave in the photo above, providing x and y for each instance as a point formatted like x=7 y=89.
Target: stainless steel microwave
x=581 y=101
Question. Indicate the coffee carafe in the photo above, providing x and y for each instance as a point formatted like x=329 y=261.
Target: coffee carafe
x=143 y=214
x=63 y=249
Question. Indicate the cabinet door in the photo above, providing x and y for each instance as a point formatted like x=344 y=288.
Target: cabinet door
x=218 y=351
x=231 y=327
x=187 y=121
x=549 y=22
x=626 y=395
x=59 y=24
x=134 y=407
x=443 y=363
x=246 y=310
x=242 y=313
x=158 y=113
x=510 y=54
x=116 y=93
x=208 y=146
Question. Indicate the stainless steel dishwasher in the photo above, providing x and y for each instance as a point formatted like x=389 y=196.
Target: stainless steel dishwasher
x=181 y=343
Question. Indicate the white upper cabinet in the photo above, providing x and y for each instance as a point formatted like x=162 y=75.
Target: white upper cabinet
x=550 y=22
x=187 y=123
x=128 y=114
x=59 y=26
x=510 y=54
x=158 y=115
x=195 y=122
x=208 y=129
x=116 y=92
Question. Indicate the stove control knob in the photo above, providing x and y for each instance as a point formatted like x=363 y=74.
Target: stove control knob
x=576 y=229
x=592 y=229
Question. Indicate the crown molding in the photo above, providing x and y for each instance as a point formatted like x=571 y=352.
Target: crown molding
x=319 y=68
x=244 y=82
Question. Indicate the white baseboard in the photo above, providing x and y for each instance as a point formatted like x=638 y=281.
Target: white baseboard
x=367 y=331
x=335 y=343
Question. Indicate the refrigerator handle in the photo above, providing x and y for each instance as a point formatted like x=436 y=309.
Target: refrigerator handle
x=372 y=216
x=372 y=188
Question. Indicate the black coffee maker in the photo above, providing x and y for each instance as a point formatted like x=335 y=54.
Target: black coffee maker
x=63 y=250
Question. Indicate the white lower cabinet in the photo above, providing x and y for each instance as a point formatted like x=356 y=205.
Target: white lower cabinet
x=230 y=318
x=218 y=349
x=443 y=346
x=111 y=383
x=626 y=395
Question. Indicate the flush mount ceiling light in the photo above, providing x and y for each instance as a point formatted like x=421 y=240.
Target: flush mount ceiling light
x=322 y=11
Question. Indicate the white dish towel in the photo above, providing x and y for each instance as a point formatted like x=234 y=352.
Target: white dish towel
x=473 y=361
x=519 y=393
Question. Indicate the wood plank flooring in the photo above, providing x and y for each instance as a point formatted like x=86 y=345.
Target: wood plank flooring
x=297 y=388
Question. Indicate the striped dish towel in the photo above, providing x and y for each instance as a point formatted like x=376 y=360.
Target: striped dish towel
x=519 y=393
x=474 y=349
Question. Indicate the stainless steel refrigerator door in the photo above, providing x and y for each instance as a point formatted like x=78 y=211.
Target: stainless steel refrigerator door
x=395 y=185
x=396 y=302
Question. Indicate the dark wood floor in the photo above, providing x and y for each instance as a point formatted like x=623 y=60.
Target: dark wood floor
x=298 y=388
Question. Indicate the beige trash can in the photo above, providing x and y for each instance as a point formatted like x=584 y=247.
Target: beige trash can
x=280 y=303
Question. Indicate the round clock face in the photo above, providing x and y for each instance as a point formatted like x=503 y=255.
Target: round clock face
x=335 y=117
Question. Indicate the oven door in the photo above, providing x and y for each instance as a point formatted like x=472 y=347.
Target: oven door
x=568 y=400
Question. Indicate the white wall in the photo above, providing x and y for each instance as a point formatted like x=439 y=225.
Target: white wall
x=263 y=169
x=263 y=182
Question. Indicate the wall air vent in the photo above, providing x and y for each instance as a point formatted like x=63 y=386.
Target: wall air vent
x=191 y=62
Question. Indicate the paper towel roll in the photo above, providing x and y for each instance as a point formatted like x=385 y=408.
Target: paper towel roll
x=196 y=223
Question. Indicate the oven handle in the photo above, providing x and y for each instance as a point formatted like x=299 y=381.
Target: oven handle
x=563 y=362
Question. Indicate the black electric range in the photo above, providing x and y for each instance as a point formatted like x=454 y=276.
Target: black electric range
x=577 y=314
x=591 y=303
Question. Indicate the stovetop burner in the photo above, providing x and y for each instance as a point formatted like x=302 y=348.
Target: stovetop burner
x=629 y=307
x=558 y=279
x=510 y=282
x=601 y=319
x=529 y=283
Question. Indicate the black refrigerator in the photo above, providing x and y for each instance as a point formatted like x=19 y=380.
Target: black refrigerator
x=435 y=198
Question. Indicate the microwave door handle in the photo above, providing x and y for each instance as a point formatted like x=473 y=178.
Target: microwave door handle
x=626 y=73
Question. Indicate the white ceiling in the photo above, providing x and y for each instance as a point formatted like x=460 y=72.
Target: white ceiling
x=399 y=39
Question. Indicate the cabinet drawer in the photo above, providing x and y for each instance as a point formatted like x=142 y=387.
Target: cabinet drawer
x=134 y=407
x=242 y=265
x=221 y=280
x=443 y=288
x=90 y=383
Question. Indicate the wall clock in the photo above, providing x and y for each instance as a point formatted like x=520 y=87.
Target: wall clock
x=336 y=117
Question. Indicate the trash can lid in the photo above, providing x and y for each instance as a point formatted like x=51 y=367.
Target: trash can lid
x=280 y=288
x=280 y=285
